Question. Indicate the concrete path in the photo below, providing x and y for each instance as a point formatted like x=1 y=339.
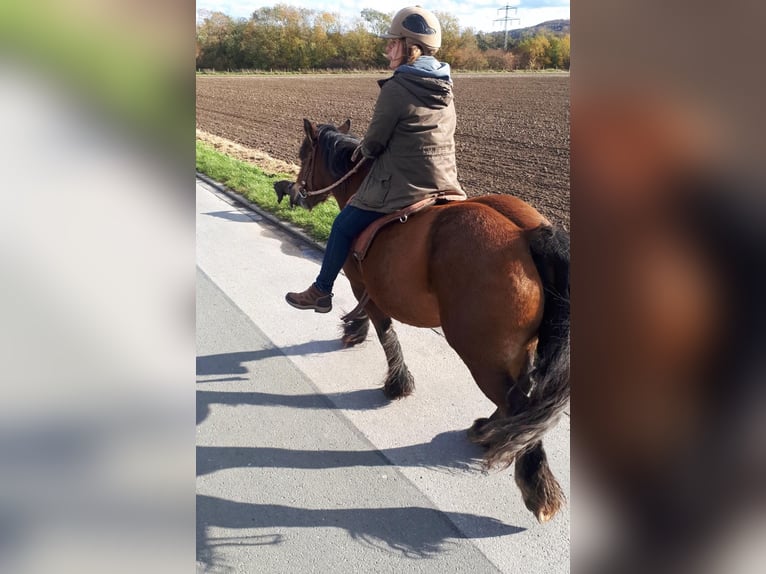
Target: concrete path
x=304 y=466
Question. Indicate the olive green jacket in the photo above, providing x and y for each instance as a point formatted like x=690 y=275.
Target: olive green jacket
x=411 y=139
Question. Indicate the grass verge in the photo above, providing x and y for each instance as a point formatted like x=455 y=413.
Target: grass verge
x=258 y=187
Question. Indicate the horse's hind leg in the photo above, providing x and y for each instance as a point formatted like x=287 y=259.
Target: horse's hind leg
x=474 y=432
x=539 y=488
x=356 y=328
x=540 y=491
x=506 y=404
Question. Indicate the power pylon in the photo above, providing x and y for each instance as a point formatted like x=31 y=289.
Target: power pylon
x=507 y=19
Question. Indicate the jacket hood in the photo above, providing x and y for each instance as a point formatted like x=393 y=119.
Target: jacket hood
x=426 y=67
x=431 y=92
x=427 y=79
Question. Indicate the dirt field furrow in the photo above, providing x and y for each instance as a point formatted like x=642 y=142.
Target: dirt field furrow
x=512 y=135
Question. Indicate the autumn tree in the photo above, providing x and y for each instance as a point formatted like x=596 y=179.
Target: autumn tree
x=563 y=52
x=450 y=36
x=377 y=22
x=499 y=59
x=359 y=49
x=218 y=42
x=467 y=55
x=534 y=52
x=284 y=37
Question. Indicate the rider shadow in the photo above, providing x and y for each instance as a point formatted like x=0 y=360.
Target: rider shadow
x=448 y=452
x=234 y=363
x=237 y=215
x=271 y=230
x=291 y=245
x=414 y=532
x=243 y=213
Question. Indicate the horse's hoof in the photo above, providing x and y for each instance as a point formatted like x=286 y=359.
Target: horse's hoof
x=352 y=339
x=355 y=331
x=399 y=386
x=544 y=516
x=543 y=511
x=540 y=491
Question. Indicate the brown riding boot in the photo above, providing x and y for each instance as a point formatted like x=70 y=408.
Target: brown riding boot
x=311 y=298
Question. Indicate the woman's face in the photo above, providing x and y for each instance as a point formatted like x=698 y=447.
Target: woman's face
x=395 y=53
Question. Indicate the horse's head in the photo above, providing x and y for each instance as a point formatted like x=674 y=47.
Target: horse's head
x=325 y=156
x=290 y=189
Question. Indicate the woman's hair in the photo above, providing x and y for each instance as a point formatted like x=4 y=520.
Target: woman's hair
x=414 y=51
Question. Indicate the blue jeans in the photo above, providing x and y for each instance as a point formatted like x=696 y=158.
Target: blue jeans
x=349 y=223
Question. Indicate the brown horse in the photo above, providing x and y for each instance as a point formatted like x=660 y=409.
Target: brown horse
x=494 y=274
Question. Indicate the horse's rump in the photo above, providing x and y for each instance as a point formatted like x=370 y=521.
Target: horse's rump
x=456 y=258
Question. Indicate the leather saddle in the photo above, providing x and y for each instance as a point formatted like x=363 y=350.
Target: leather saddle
x=364 y=239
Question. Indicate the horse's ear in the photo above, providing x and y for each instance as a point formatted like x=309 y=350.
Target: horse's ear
x=310 y=128
x=344 y=127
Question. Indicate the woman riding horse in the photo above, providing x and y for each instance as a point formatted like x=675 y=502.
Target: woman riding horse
x=411 y=138
x=491 y=270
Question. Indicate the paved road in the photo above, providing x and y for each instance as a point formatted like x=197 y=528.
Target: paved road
x=304 y=466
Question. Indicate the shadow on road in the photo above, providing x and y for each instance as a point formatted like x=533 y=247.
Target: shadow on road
x=243 y=213
x=449 y=451
x=415 y=532
x=359 y=400
x=233 y=363
x=238 y=215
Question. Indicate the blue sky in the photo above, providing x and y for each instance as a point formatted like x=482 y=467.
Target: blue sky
x=479 y=14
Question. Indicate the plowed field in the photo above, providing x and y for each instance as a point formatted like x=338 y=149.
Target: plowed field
x=512 y=133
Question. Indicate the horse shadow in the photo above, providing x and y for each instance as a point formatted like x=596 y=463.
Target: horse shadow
x=415 y=532
x=449 y=452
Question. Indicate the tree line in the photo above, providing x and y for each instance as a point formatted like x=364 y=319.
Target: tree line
x=286 y=38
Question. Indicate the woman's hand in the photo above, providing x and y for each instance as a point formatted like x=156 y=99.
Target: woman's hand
x=357 y=153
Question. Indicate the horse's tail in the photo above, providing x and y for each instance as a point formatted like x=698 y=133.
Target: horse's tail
x=538 y=398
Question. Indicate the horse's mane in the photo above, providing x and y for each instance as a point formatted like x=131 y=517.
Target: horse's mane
x=336 y=148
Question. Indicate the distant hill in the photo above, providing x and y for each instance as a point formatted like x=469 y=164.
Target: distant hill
x=496 y=38
x=554 y=27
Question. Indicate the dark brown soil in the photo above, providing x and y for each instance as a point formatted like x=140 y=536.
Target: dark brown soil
x=512 y=135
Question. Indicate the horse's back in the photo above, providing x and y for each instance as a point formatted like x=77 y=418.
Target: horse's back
x=514 y=209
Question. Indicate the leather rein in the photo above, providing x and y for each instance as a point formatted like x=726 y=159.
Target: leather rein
x=358 y=312
x=304 y=193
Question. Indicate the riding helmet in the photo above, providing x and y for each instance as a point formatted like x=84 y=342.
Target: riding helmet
x=417 y=24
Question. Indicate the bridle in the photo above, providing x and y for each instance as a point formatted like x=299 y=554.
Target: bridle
x=301 y=187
